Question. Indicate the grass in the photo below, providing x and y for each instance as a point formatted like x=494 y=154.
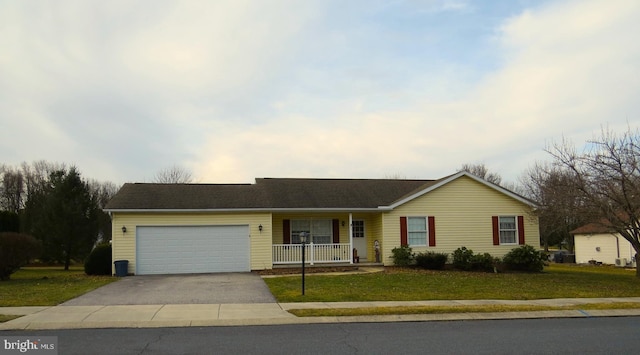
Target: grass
x=368 y=311
x=47 y=286
x=396 y=284
x=6 y=318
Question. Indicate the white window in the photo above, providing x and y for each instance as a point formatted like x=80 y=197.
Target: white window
x=358 y=229
x=508 y=230
x=320 y=230
x=417 y=230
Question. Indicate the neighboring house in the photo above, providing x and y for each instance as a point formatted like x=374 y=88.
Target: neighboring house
x=595 y=242
x=201 y=228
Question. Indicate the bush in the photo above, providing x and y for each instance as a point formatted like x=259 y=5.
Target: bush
x=525 y=258
x=99 y=261
x=402 y=256
x=431 y=260
x=462 y=258
x=15 y=251
x=483 y=262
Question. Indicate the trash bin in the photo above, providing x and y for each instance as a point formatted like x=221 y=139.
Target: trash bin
x=558 y=257
x=122 y=266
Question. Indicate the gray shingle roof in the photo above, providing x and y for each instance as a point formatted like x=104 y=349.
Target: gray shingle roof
x=267 y=194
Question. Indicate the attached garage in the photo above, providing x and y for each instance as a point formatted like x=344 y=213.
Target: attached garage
x=192 y=249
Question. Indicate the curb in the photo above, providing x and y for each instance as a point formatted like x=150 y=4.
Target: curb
x=13 y=325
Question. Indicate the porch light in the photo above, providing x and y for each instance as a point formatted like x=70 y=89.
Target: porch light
x=124 y=229
x=260 y=228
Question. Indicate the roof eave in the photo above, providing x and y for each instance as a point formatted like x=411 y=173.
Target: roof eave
x=264 y=210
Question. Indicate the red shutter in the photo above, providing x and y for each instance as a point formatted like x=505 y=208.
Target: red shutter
x=336 y=231
x=403 y=231
x=286 y=231
x=521 y=230
x=496 y=230
x=432 y=231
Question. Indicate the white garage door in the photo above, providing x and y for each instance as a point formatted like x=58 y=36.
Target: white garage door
x=192 y=249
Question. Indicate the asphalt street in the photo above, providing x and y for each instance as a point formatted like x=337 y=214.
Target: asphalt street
x=535 y=336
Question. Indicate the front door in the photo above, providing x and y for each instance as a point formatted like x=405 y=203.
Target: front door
x=359 y=239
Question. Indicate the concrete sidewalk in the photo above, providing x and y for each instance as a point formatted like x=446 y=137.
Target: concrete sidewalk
x=202 y=315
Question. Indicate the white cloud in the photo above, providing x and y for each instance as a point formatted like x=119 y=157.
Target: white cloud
x=568 y=69
x=243 y=89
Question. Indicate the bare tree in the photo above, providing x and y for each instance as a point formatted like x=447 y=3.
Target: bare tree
x=102 y=192
x=607 y=178
x=13 y=189
x=174 y=175
x=559 y=205
x=481 y=171
x=395 y=176
x=36 y=175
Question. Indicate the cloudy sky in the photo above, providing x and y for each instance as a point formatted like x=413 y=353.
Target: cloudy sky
x=234 y=90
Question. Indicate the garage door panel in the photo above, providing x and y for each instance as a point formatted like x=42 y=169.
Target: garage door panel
x=192 y=249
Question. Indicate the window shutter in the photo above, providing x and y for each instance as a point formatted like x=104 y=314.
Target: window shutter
x=496 y=230
x=521 y=230
x=432 y=231
x=336 y=231
x=286 y=231
x=403 y=231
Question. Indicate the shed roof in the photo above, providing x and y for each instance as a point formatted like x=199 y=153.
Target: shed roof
x=593 y=228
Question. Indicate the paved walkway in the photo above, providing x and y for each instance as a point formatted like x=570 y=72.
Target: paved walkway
x=200 y=315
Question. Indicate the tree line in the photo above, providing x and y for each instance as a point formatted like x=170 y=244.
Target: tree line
x=599 y=184
x=57 y=206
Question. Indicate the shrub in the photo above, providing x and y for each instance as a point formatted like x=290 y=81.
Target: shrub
x=483 y=262
x=15 y=251
x=99 y=261
x=525 y=258
x=431 y=260
x=402 y=256
x=462 y=258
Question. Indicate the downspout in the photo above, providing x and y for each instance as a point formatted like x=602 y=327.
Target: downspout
x=617 y=245
x=350 y=238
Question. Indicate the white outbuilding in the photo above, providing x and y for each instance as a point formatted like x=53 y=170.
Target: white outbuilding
x=597 y=243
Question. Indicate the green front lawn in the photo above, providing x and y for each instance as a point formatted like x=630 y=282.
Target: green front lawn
x=6 y=318
x=47 y=286
x=369 y=311
x=395 y=284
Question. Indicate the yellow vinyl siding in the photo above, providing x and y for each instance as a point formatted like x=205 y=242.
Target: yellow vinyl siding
x=462 y=209
x=341 y=217
x=124 y=244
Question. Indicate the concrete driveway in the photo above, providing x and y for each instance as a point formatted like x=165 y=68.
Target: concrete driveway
x=179 y=289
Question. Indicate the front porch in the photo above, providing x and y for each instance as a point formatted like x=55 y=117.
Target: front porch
x=314 y=253
x=333 y=238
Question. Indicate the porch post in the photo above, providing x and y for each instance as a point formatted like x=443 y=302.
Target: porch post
x=312 y=252
x=350 y=238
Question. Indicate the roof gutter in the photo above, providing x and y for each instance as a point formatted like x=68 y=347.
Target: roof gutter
x=203 y=210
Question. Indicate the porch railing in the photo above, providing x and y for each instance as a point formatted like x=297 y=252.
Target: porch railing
x=314 y=253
